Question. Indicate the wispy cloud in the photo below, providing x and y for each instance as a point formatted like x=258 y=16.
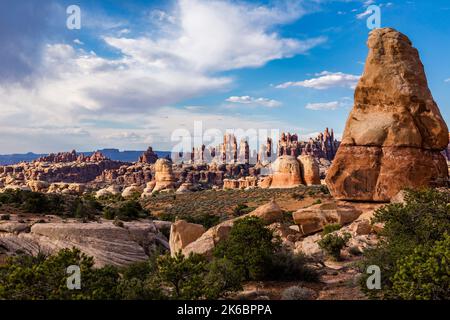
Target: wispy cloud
x=269 y=103
x=332 y=105
x=325 y=80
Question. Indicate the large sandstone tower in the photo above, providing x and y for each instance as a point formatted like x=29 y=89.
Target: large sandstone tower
x=395 y=133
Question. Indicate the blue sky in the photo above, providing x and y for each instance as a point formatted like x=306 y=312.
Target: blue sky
x=137 y=71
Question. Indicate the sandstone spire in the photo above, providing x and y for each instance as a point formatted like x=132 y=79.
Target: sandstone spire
x=395 y=132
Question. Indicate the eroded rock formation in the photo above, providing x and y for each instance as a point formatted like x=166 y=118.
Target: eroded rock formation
x=395 y=133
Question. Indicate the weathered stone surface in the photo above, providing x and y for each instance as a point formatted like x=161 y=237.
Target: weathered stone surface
x=13 y=227
x=182 y=233
x=185 y=188
x=395 y=133
x=286 y=172
x=148 y=189
x=309 y=168
x=378 y=174
x=107 y=243
x=269 y=212
x=163 y=175
x=37 y=185
x=316 y=217
x=131 y=191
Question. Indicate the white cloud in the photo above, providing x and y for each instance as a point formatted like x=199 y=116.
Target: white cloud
x=78 y=89
x=270 y=103
x=447 y=80
x=333 y=105
x=344 y=102
x=364 y=14
x=78 y=41
x=325 y=80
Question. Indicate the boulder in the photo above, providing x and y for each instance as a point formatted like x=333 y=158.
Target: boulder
x=131 y=191
x=105 y=242
x=14 y=227
x=286 y=172
x=185 y=188
x=37 y=185
x=205 y=244
x=148 y=189
x=309 y=168
x=316 y=217
x=269 y=212
x=395 y=133
x=183 y=233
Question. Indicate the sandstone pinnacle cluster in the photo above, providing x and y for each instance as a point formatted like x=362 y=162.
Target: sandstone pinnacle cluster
x=395 y=133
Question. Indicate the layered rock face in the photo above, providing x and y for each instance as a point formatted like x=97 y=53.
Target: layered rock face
x=67 y=167
x=183 y=233
x=286 y=172
x=395 y=133
x=107 y=243
x=310 y=170
x=163 y=175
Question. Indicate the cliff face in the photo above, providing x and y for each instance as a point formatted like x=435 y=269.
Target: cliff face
x=395 y=133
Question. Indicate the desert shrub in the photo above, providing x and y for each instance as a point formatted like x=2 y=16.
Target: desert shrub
x=242 y=209
x=324 y=189
x=287 y=218
x=329 y=228
x=425 y=273
x=118 y=223
x=82 y=207
x=126 y=211
x=138 y=281
x=109 y=213
x=33 y=202
x=108 y=199
x=221 y=279
x=355 y=251
x=318 y=201
x=137 y=289
x=205 y=219
x=298 y=293
x=288 y=267
x=183 y=276
x=5 y=217
x=298 y=195
x=419 y=223
x=40 y=277
x=249 y=247
x=333 y=244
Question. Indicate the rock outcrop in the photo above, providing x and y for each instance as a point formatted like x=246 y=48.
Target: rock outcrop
x=205 y=244
x=310 y=170
x=164 y=175
x=322 y=147
x=286 y=172
x=148 y=156
x=183 y=233
x=105 y=242
x=316 y=217
x=395 y=133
